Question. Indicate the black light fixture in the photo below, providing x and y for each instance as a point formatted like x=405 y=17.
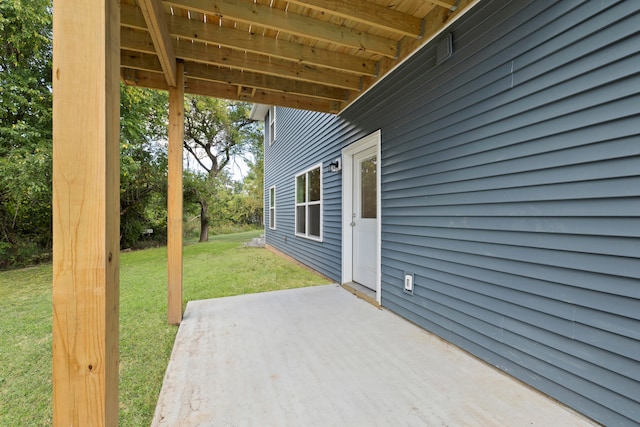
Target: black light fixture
x=336 y=165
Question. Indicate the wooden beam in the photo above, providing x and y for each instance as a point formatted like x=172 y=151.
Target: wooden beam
x=255 y=43
x=191 y=29
x=367 y=13
x=197 y=52
x=141 y=61
x=137 y=41
x=265 y=82
x=174 y=196
x=86 y=214
x=226 y=91
x=147 y=79
x=291 y=23
x=154 y=16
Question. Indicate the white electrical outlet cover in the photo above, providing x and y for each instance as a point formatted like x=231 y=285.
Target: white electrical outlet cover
x=408 y=283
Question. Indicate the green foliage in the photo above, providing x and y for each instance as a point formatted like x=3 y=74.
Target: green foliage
x=25 y=74
x=143 y=166
x=143 y=115
x=25 y=130
x=231 y=205
x=253 y=183
x=25 y=193
x=145 y=338
x=217 y=131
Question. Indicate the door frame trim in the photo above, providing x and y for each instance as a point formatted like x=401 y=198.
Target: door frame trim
x=371 y=140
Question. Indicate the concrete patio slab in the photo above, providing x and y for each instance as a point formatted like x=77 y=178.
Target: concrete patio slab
x=322 y=357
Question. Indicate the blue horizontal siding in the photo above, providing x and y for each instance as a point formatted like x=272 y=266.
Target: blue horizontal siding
x=510 y=189
x=305 y=139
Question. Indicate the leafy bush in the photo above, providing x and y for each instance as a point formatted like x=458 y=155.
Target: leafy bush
x=22 y=254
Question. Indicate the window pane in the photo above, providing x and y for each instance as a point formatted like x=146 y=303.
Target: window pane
x=301 y=193
x=314 y=185
x=272 y=197
x=314 y=220
x=301 y=219
x=272 y=218
x=368 y=189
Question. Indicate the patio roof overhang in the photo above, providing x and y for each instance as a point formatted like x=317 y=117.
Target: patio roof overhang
x=316 y=55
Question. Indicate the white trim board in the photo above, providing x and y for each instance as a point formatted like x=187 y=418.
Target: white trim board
x=371 y=140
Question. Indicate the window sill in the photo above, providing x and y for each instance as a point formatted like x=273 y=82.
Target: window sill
x=315 y=239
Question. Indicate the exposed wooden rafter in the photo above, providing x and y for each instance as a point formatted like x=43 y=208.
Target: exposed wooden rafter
x=242 y=78
x=314 y=54
x=368 y=13
x=203 y=54
x=154 y=16
x=199 y=31
x=291 y=23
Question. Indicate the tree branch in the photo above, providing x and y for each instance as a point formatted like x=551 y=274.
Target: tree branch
x=195 y=156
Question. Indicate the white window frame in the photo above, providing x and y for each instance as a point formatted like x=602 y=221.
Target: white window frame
x=272 y=125
x=272 y=207
x=308 y=203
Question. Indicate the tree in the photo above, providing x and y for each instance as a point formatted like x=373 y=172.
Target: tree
x=25 y=129
x=25 y=73
x=253 y=183
x=26 y=141
x=143 y=165
x=216 y=131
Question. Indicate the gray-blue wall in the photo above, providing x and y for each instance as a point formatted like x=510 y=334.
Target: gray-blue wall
x=510 y=188
x=303 y=140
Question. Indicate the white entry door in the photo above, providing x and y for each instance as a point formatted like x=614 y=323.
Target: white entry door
x=364 y=217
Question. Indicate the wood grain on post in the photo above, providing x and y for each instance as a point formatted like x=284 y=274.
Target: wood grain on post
x=174 y=207
x=86 y=212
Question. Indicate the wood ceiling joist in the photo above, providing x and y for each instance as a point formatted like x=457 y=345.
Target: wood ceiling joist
x=188 y=51
x=198 y=52
x=146 y=62
x=154 y=17
x=374 y=15
x=194 y=30
x=292 y=23
x=319 y=55
x=201 y=87
x=264 y=82
x=220 y=90
x=140 y=61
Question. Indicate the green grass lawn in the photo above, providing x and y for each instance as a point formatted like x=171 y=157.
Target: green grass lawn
x=222 y=267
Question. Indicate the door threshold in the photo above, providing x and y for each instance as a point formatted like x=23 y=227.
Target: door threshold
x=362 y=292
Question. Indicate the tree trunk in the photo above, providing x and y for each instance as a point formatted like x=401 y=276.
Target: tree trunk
x=204 y=221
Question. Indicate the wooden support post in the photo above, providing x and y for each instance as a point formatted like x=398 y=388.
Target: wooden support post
x=86 y=212
x=174 y=208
